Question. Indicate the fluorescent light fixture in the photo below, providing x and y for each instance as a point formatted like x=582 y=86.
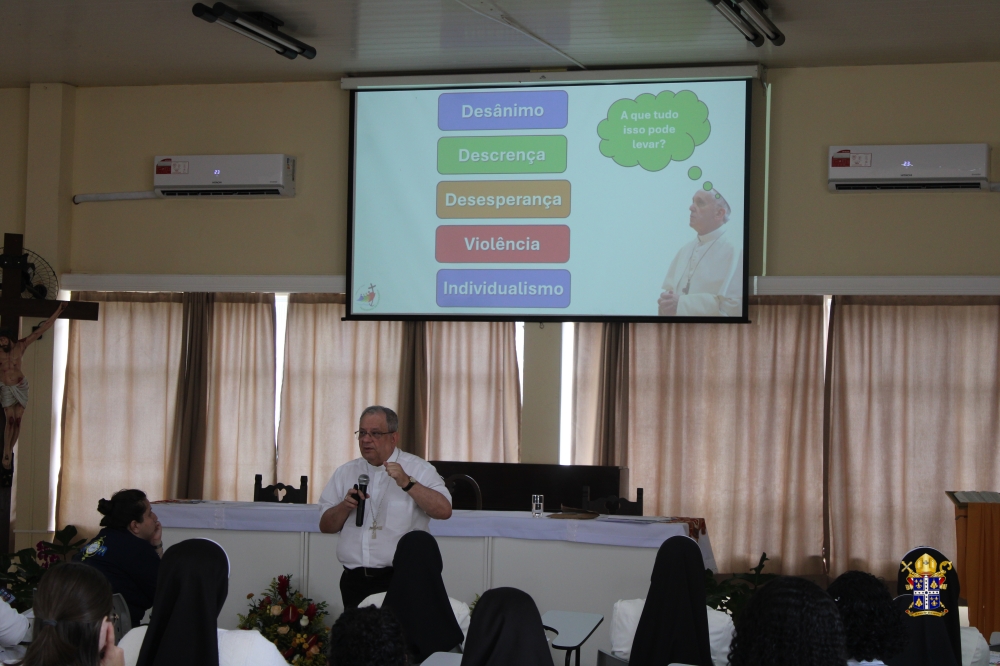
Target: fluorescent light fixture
x=737 y=20
x=752 y=11
x=258 y=26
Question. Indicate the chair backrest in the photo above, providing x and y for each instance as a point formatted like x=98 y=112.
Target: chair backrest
x=452 y=484
x=279 y=492
x=613 y=505
x=122 y=617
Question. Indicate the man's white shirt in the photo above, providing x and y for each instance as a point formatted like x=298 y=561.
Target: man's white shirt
x=711 y=266
x=397 y=512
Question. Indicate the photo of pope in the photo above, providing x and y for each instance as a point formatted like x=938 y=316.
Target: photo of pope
x=706 y=276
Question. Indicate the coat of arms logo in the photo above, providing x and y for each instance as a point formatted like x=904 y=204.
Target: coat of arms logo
x=925 y=580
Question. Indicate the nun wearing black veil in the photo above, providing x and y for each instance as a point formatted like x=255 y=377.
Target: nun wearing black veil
x=673 y=627
x=418 y=600
x=191 y=588
x=506 y=629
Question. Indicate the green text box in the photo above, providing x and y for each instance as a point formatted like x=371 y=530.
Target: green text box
x=501 y=154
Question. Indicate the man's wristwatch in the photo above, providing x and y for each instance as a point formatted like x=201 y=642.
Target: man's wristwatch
x=407 y=487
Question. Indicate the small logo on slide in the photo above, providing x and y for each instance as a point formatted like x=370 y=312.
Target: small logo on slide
x=367 y=298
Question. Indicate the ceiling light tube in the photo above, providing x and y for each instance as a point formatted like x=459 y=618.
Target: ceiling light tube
x=260 y=40
x=262 y=31
x=763 y=23
x=733 y=17
x=273 y=36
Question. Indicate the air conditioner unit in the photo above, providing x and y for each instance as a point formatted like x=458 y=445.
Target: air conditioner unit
x=224 y=176
x=952 y=166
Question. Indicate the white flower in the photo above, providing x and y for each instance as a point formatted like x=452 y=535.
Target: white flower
x=304 y=621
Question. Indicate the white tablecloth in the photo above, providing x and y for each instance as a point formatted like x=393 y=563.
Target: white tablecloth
x=272 y=517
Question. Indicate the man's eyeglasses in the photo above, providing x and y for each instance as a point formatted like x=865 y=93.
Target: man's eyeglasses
x=375 y=434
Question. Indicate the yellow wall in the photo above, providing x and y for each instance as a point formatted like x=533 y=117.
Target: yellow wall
x=13 y=157
x=120 y=130
x=812 y=231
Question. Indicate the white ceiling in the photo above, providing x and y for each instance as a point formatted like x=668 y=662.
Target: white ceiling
x=143 y=42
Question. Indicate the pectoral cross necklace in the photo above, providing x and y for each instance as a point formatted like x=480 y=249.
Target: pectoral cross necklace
x=375 y=526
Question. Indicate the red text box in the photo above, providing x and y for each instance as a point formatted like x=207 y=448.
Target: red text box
x=502 y=244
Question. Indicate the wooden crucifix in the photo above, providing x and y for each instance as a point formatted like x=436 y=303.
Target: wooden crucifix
x=13 y=383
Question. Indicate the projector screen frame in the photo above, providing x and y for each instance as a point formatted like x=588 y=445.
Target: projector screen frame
x=747 y=73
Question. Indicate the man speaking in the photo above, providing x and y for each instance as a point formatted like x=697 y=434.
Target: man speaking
x=403 y=492
x=706 y=277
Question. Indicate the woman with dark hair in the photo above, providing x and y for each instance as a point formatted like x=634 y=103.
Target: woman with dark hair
x=190 y=591
x=127 y=551
x=418 y=600
x=72 y=606
x=506 y=629
x=367 y=636
x=673 y=627
x=873 y=626
x=789 y=622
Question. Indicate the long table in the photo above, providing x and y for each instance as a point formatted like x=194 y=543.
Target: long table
x=574 y=565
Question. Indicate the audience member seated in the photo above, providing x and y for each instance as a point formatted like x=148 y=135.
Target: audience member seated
x=929 y=561
x=674 y=597
x=72 y=626
x=127 y=551
x=367 y=636
x=13 y=630
x=190 y=591
x=506 y=629
x=673 y=627
x=928 y=643
x=418 y=600
x=789 y=622
x=873 y=626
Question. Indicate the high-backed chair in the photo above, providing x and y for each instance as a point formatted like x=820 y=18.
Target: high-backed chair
x=613 y=505
x=279 y=492
x=452 y=484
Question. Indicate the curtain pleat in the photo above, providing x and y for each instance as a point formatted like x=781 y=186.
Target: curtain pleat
x=239 y=440
x=412 y=401
x=915 y=411
x=120 y=405
x=474 y=396
x=333 y=370
x=187 y=467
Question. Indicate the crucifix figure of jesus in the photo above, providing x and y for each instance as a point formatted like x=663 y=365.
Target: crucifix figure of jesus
x=13 y=383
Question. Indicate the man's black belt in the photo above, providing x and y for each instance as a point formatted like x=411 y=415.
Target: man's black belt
x=368 y=572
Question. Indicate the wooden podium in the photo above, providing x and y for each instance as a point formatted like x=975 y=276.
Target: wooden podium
x=977 y=533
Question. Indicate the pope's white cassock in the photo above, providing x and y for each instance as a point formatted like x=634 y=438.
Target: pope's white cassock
x=707 y=275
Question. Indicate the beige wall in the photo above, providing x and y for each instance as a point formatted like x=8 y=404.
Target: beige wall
x=120 y=130
x=13 y=157
x=812 y=231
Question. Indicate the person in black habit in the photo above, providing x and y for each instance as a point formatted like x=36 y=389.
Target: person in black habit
x=128 y=550
x=418 y=600
x=673 y=627
x=506 y=629
x=929 y=589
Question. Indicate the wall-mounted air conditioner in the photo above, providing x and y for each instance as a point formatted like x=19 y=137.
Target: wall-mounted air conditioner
x=224 y=176
x=953 y=166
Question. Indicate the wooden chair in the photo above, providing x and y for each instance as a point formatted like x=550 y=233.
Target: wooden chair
x=613 y=505
x=279 y=492
x=452 y=484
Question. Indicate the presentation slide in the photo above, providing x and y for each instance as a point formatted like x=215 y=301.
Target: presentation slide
x=623 y=201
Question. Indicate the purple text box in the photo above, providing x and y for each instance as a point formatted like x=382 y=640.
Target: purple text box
x=503 y=288
x=525 y=109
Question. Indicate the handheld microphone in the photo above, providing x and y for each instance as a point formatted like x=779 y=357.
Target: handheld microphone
x=359 y=517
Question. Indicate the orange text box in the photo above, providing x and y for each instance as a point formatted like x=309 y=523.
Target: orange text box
x=503 y=199
x=502 y=244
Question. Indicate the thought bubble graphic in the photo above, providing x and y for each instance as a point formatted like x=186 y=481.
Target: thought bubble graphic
x=694 y=173
x=652 y=131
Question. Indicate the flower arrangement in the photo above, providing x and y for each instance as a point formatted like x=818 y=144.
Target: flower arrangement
x=21 y=571
x=289 y=620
